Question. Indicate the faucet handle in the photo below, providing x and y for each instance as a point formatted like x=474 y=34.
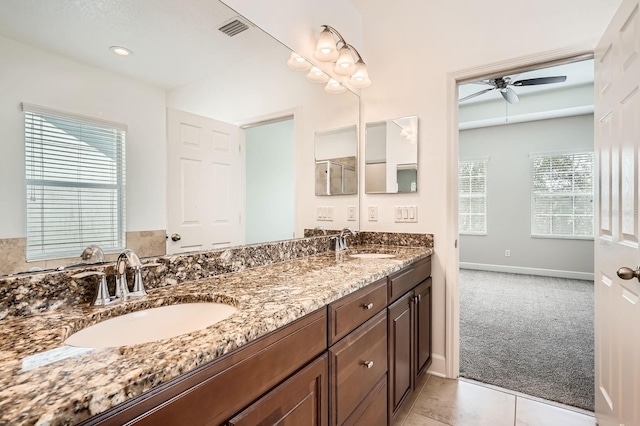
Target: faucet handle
x=138 y=285
x=102 y=292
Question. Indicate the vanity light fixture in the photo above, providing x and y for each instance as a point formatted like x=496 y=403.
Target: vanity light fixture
x=341 y=54
x=121 y=51
x=298 y=63
x=334 y=87
x=345 y=64
x=316 y=75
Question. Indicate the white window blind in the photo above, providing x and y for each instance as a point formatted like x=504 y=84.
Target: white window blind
x=75 y=181
x=562 y=195
x=472 y=200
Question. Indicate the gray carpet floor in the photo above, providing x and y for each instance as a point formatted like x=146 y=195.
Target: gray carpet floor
x=528 y=334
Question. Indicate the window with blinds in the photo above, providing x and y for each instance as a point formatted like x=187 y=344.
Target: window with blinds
x=75 y=181
x=472 y=197
x=562 y=195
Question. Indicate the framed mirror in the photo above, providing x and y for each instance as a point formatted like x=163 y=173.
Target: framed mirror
x=57 y=56
x=391 y=156
x=336 y=171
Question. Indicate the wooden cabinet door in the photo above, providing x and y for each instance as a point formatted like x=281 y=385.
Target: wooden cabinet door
x=400 y=348
x=422 y=328
x=300 y=400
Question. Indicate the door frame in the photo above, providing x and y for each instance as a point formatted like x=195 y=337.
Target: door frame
x=452 y=264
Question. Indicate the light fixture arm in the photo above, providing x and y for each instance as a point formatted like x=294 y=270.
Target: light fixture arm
x=336 y=33
x=353 y=49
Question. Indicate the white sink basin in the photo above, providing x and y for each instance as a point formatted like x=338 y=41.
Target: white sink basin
x=372 y=255
x=150 y=325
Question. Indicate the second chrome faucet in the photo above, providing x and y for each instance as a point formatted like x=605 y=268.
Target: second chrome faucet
x=126 y=259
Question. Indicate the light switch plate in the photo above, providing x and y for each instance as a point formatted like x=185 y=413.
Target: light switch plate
x=405 y=214
x=324 y=213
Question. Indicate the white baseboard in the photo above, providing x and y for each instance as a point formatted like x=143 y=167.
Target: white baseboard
x=529 y=271
x=437 y=367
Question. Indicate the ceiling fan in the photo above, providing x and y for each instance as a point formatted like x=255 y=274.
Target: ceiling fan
x=504 y=84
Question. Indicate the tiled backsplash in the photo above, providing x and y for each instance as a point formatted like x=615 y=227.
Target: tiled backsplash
x=31 y=293
x=144 y=243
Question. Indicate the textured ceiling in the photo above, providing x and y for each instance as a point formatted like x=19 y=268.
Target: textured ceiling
x=174 y=42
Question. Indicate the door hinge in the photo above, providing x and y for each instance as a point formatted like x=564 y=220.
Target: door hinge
x=456 y=244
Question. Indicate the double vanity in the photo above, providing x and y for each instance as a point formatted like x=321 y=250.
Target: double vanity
x=323 y=337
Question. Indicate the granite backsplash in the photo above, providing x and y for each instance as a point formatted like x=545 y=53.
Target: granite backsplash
x=32 y=293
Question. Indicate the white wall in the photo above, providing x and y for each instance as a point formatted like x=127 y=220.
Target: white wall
x=508 y=149
x=410 y=47
x=30 y=75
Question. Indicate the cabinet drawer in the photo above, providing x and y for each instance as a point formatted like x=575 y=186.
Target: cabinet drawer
x=373 y=410
x=349 y=312
x=406 y=279
x=300 y=400
x=356 y=364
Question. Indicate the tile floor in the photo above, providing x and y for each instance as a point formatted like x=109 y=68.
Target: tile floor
x=445 y=402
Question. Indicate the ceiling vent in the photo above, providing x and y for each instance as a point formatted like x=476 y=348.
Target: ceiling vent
x=234 y=27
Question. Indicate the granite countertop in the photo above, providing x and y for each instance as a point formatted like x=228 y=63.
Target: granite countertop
x=43 y=381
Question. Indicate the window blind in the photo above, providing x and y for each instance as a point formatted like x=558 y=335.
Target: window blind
x=75 y=182
x=562 y=195
x=472 y=200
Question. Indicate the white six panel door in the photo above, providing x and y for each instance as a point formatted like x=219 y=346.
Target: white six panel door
x=617 y=301
x=204 y=183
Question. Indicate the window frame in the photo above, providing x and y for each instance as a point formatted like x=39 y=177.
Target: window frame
x=485 y=162
x=591 y=193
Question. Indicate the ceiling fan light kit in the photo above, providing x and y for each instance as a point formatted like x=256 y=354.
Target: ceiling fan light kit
x=342 y=55
x=504 y=85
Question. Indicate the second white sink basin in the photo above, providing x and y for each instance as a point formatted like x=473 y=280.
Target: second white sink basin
x=150 y=325
x=372 y=255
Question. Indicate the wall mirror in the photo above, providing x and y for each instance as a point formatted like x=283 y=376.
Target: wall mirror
x=391 y=156
x=336 y=161
x=205 y=60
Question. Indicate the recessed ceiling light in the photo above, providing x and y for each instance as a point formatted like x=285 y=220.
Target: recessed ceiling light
x=121 y=51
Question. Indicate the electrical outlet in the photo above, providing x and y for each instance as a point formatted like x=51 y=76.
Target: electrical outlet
x=507 y=253
x=373 y=213
x=351 y=213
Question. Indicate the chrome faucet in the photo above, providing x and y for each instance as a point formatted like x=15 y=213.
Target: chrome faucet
x=341 y=241
x=320 y=228
x=128 y=258
x=91 y=251
x=102 y=292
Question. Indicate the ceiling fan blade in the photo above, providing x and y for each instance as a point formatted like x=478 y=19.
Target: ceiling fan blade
x=509 y=95
x=466 y=98
x=540 y=80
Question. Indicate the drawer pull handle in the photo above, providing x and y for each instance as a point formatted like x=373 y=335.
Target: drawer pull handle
x=367 y=364
x=368 y=306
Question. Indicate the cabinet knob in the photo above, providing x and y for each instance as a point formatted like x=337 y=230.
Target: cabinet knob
x=367 y=364
x=368 y=306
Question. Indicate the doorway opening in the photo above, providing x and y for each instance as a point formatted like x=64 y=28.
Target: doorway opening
x=525 y=216
x=269 y=164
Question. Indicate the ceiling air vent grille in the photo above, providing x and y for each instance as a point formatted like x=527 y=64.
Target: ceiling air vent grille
x=234 y=27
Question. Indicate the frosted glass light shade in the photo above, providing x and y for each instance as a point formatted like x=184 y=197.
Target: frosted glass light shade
x=315 y=75
x=298 y=63
x=360 y=79
x=326 y=49
x=345 y=65
x=334 y=87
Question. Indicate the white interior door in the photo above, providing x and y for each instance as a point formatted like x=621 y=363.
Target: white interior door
x=617 y=307
x=204 y=183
